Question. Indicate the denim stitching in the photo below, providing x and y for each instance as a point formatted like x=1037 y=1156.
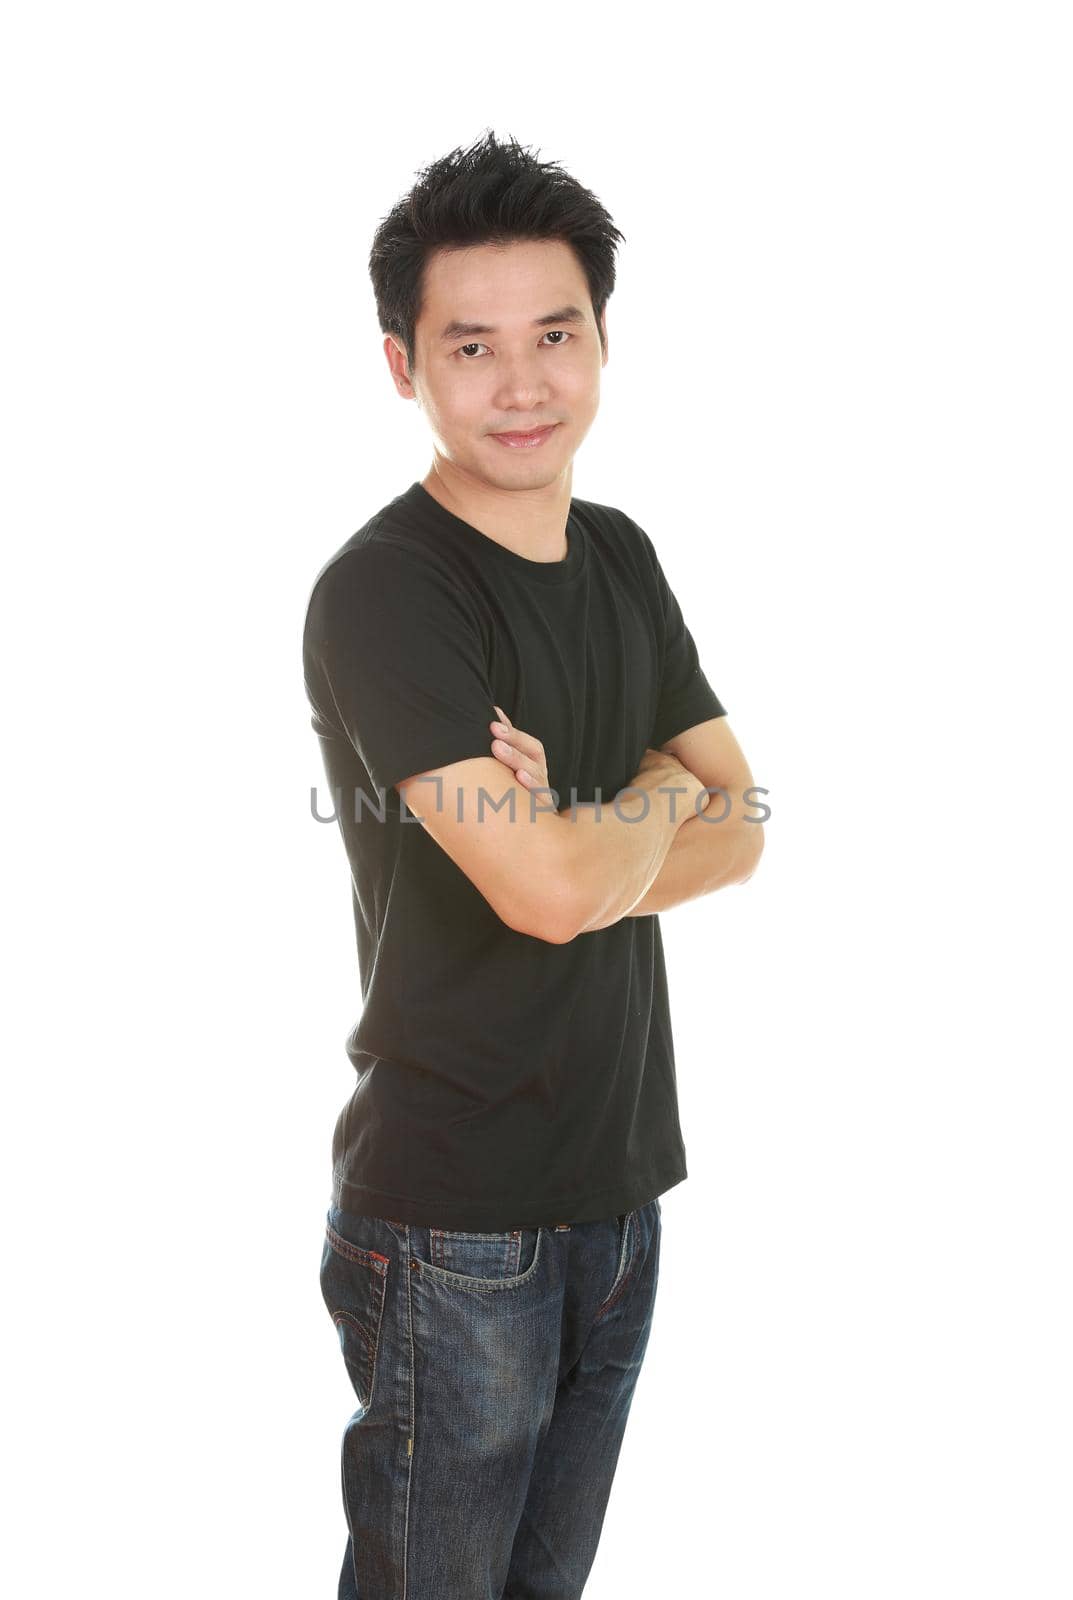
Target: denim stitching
x=354 y=1252
x=509 y=1238
x=370 y=1343
x=467 y=1284
x=379 y=1264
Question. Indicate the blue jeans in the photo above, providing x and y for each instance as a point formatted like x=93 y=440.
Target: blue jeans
x=494 y=1374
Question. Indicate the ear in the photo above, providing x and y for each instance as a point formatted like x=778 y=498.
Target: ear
x=396 y=360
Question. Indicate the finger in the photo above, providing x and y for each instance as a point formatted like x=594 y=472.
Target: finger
x=508 y=754
x=510 y=757
x=501 y=714
x=524 y=742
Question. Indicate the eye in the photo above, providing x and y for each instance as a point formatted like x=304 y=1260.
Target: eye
x=561 y=333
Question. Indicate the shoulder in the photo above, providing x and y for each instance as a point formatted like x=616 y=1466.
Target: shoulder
x=611 y=521
x=357 y=560
x=621 y=536
x=381 y=566
x=601 y=515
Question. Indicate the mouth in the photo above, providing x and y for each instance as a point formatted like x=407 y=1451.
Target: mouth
x=528 y=440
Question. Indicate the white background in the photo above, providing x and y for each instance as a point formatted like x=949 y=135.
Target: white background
x=838 y=398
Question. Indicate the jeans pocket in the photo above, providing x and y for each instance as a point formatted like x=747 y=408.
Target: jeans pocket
x=353 y=1281
x=499 y=1258
x=626 y=1253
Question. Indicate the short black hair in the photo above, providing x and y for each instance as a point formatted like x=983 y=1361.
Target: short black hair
x=490 y=193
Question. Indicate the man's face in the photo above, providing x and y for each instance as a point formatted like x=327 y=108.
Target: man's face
x=516 y=376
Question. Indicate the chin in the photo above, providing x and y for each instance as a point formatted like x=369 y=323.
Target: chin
x=533 y=477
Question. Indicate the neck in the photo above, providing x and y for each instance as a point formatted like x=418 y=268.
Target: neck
x=531 y=522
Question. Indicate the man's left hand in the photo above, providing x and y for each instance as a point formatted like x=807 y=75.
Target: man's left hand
x=520 y=751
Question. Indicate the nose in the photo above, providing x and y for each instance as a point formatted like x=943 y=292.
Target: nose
x=521 y=386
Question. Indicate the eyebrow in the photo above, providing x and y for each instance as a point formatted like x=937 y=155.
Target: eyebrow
x=456 y=330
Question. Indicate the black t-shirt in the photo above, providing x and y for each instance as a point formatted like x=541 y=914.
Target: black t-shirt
x=502 y=1081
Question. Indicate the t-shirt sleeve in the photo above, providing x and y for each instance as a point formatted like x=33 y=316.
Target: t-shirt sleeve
x=395 y=662
x=685 y=695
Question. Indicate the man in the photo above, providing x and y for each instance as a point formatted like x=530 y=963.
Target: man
x=521 y=744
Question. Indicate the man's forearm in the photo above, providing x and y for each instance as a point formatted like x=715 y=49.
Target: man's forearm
x=618 y=848
x=705 y=855
x=645 y=851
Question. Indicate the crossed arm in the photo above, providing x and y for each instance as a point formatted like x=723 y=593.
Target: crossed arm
x=724 y=844
x=556 y=878
x=719 y=846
